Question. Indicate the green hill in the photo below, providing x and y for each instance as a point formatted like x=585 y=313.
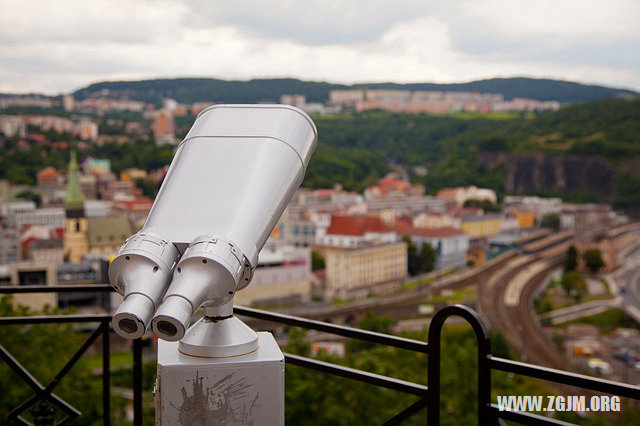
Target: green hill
x=189 y=90
x=584 y=152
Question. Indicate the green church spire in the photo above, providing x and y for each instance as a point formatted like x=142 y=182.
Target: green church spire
x=74 y=200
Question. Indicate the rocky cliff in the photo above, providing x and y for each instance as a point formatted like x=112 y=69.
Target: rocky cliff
x=561 y=174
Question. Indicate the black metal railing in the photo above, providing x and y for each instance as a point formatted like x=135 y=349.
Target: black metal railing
x=487 y=412
x=47 y=402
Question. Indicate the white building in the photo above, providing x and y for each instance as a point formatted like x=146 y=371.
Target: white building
x=451 y=244
x=97 y=208
x=461 y=195
x=282 y=277
x=52 y=217
x=541 y=206
x=11 y=207
x=13 y=125
x=9 y=246
x=355 y=231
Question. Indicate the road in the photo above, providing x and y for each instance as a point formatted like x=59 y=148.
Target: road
x=628 y=281
x=581 y=310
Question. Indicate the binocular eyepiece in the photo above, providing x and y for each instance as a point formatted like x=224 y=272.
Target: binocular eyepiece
x=141 y=271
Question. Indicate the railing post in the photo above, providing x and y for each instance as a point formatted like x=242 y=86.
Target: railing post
x=137 y=382
x=484 y=369
x=106 y=374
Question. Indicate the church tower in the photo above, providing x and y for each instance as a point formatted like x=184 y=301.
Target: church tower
x=76 y=242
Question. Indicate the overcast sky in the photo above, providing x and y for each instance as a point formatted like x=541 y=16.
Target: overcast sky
x=62 y=45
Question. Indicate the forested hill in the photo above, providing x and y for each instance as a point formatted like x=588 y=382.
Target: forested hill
x=584 y=152
x=189 y=90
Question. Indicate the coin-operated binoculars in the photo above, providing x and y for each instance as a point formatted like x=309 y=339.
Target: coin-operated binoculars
x=229 y=182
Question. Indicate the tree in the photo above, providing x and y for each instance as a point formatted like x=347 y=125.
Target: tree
x=148 y=186
x=420 y=261
x=593 y=259
x=485 y=205
x=412 y=256
x=551 y=220
x=574 y=285
x=375 y=323
x=571 y=263
x=43 y=349
x=313 y=398
x=317 y=261
x=30 y=195
x=427 y=258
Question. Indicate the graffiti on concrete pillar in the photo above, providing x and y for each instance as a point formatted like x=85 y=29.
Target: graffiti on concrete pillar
x=229 y=401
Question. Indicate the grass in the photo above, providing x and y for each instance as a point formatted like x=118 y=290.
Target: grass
x=426 y=281
x=606 y=321
x=413 y=284
x=554 y=297
x=465 y=295
x=117 y=360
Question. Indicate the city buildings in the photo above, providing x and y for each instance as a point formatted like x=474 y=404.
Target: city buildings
x=49 y=177
x=538 y=205
x=10 y=249
x=13 y=125
x=83 y=236
x=451 y=244
x=355 y=231
x=460 y=195
x=433 y=102
x=30 y=273
x=480 y=226
x=282 y=277
x=163 y=127
x=50 y=251
x=300 y=101
x=297 y=232
x=52 y=217
x=435 y=220
x=359 y=272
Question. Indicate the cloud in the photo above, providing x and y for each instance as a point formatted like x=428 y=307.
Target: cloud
x=308 y=22
x=68 y=44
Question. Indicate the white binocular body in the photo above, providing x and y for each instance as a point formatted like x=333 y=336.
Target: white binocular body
x=230 y=180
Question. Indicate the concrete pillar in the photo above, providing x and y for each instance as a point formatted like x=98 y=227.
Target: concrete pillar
x=241 y=390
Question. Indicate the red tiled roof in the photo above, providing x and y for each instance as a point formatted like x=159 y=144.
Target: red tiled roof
x=465 y=211
x=396 y=184
x=447 y=192
x=138 y=204
x=429 y=232
x=403 y=222
x=321 y=192
x=356 y=225
x=48 y=172
x=381 y=189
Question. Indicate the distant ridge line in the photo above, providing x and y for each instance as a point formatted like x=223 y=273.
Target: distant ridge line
x=189 y=90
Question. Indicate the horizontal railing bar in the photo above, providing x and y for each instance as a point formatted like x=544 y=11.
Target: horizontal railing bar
x=355 y=333
x=55 y=288
x=53 y=319
x=361 y=376
x=527 y=418
x=566 y=377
